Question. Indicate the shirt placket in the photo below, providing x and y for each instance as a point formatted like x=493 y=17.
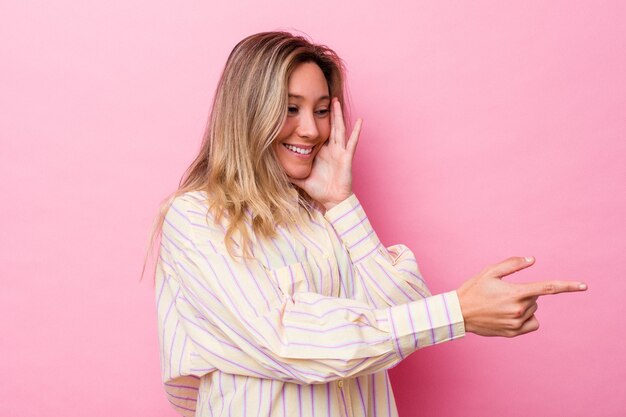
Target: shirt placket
x=343 y=392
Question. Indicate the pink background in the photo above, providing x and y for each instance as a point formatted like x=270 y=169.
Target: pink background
x=491 y=129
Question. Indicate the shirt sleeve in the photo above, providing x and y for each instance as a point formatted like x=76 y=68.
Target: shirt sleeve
x=303 y=338
x=390 y=275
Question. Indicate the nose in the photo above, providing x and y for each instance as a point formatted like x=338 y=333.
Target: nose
x=307 y=126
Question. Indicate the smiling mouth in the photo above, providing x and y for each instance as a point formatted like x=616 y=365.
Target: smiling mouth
x=300 y=151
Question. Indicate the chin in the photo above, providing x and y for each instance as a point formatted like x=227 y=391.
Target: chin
x=300 y=173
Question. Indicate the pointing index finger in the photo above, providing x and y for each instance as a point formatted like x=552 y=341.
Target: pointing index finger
x=533 y=289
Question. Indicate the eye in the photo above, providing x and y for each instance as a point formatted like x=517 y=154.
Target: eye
x=292 y=110
x=322 y=112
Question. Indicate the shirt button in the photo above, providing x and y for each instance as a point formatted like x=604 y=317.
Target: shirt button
x=340 y=384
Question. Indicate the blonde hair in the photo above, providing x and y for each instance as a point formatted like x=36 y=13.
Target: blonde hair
x=236 y=165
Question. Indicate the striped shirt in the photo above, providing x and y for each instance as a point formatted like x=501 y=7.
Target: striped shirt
x=308 y=327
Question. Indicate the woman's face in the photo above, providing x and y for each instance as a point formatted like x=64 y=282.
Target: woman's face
x=307 y=125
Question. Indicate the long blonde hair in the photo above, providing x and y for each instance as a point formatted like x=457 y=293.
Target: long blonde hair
x=236 y=165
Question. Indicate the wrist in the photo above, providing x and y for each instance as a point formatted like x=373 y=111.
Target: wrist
x=464 y=305
x=332 y=203
x=329 y=205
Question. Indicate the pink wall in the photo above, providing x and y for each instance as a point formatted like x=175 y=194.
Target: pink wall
x=491 y=129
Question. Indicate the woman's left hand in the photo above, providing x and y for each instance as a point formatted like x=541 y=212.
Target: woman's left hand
x=330 y=181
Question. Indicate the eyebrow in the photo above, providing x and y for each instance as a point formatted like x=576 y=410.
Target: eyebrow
x=301 y=97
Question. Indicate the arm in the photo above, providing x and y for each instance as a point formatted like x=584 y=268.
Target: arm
x=490 y=306
x=391 y=275
x=307 y=338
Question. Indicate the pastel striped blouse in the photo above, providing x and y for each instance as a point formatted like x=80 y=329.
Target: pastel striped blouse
x=306 y=328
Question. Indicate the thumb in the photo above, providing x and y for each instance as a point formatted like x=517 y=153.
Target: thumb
x=510 y=266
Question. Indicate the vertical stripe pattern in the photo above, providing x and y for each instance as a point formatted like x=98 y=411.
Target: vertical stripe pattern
x=306 y=328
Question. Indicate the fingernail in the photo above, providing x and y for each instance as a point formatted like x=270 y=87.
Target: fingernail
x=529 y=259
x=582 y=287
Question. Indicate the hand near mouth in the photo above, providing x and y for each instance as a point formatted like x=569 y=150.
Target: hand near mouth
x=330 y=181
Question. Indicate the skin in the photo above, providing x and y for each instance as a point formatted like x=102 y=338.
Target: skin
x=307 y=124
x=490 y=305
x=317 y=123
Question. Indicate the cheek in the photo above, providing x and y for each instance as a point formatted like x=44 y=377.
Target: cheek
x=285 y=129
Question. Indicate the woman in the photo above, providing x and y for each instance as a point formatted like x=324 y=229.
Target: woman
x=274 y=295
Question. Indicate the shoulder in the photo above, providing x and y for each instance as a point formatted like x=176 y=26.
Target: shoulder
x=189 y=213
x=188 y=204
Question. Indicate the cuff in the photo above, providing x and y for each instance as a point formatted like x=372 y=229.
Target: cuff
x=426 y=322
x=353 y=228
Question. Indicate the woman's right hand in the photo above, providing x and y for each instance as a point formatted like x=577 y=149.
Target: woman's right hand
x=493 y=307
x=330 y=180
